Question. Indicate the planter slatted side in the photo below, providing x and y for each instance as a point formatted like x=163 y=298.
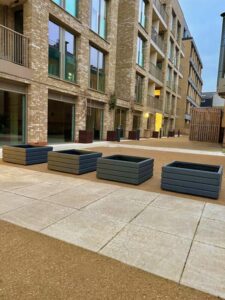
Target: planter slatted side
x=26 y=156
x=63 y=161
x=205 y=124
x=125 y=171
x=200 y=182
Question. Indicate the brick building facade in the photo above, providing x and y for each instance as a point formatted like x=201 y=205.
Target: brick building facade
x=98 y=65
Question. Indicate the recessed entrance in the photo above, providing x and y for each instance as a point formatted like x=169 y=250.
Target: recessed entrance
x=94 y=122
x=12 y=118
x=61 y=122
x=120 y=121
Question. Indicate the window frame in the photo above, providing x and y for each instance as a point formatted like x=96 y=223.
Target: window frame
x=62 y=54
x=99 y=18
x=104 y=63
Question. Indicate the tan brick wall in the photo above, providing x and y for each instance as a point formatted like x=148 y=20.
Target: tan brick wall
x=120 y=65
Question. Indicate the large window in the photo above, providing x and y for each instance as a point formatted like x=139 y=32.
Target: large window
x=139 y=89
x=97 y=69
x=62 y=54
x=140 y=52
x=69 y=5
x=12 y=118
x=142 y=13
x=98 y=17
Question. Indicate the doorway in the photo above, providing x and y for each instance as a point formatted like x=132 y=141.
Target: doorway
x=120 y=121
x=94 y=122
x=61 y=120
x=12 y=118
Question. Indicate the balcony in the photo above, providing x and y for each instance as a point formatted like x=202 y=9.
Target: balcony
x=14 y=47
x=158 y=40
x=155 y=104
x=156 y=72
x=160 y=8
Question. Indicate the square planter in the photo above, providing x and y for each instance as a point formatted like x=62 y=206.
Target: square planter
x=191 y=178
x=155 y=134
x=73 y=161
x=86 y=137
x=112 y=136
x=26 y=154
x=123 y=168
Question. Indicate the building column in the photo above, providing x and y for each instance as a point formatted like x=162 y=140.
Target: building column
x=37 y=114
x=80 y=115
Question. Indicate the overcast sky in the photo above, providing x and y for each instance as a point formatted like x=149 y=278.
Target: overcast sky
x=204 y=21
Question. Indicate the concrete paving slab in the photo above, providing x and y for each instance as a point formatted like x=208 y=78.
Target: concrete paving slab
x=214 y=212
x=9 y=202
x=135 y=195
x=211 y=232
x=205 y=269
x=150 y=250
x=169 y=221
x=37 y=215
x=10 y=182
x=82 y=195
x=45 y=189
x=85 y=229
x=118 y=208
x=179 y=205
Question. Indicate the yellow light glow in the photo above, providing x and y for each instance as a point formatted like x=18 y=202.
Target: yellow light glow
x=157 y=92
x=158 y=121
x=146 y=115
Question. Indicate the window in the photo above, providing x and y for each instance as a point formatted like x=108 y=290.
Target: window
x=142 y=13
x=69 y=5
x=53 y=50
x=139 y=89
x=97 y=70
x=140 y=52
x=62 y=54
x=98 y=17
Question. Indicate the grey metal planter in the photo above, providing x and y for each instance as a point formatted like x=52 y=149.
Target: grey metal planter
x=73 y=161
x=26 y=154
x=123 y=168
x=191 y=178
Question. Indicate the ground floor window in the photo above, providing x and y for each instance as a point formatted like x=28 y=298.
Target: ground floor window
x=61 y=120
x=120 y=121
x=94 y=122
x=12 y=118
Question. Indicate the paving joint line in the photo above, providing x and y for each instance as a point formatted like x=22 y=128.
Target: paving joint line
x=127 y=223
x=189 y=251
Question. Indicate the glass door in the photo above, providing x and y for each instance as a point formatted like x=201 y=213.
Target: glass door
x=120 y=121
x=60 y=122
x=94 y=122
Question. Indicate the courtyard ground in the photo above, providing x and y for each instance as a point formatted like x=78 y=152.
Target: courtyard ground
x=166 y=234
x=34 y=267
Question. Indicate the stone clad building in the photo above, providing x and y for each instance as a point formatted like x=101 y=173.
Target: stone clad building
x=70 y=65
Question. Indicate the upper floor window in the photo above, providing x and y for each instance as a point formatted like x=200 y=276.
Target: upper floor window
x=98 y=17
x=142 y=13
x=140 y=52
x=71 y=6
x=97 y=69
x=62 y=53
x=139 y=89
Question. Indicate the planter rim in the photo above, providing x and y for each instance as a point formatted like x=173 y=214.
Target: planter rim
x=170 y=165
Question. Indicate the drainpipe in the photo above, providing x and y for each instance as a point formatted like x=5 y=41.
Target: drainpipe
x=221 y=72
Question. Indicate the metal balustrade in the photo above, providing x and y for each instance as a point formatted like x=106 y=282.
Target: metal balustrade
x=14 y=47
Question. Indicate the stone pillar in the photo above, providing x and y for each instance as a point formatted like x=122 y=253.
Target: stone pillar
x=80 y=116
x=37 y=114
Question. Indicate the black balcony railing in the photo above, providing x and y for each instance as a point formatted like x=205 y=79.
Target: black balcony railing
x=158 y=40
x=155 y=71
x=154 y=104
x=161 y=9
x=14 y=46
